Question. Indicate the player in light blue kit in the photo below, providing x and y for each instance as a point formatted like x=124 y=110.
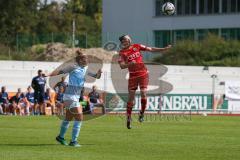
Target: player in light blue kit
x=77 y=73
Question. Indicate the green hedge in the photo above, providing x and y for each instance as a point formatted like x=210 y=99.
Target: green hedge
x=212 y=51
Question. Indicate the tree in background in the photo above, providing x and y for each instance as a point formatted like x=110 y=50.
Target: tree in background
x=37 y=17
x=18 y=16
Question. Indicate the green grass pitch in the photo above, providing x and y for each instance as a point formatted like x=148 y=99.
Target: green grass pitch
x=106 y=138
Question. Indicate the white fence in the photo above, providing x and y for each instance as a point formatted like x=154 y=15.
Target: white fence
x=185 y=79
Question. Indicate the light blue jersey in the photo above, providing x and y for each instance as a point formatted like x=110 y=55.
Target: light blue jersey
x=77 y=77
x=75 y=83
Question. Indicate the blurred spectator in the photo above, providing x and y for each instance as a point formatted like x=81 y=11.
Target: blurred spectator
x=49 y=100
x=62 y=83
x=94 y=98
x=84 y=101
x=59 y=100
x=4 y=100
x=22 y=95
x=17 y=104
x=38 y=84
x=30 y=98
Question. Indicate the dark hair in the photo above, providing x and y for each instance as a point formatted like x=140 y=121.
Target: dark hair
x=39 y=70
x=124 y=37
x=121 y=38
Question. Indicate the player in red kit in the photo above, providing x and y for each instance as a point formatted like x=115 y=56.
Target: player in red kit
x=130 y=57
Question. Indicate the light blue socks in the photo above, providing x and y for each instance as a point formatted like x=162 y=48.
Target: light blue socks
x=63 y=129
x=76 y=130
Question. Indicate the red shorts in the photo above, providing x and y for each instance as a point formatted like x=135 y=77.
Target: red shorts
x=141 y=81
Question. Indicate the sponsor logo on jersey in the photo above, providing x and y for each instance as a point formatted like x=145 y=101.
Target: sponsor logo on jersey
x=134 y=49
x=134 y=56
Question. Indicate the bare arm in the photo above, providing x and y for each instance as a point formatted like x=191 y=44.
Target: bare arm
x=97 y=75
x=65 y=70
x=154 y=49
x=123 y=65
x=54 y=73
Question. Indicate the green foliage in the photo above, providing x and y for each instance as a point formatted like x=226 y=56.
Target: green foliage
x=38 y=49
x=24 y=23
x=212 y=51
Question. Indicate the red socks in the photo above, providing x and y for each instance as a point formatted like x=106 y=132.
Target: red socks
x=129 y=108
x=143 y=104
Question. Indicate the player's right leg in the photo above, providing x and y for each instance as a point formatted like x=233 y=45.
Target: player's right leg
x=5 y=107
x=65 y=124
x=132 y=87
x=59 y=106
x=36 y=110
x=41 y=104
x=63 y=129
x=14 y=108
x=130 y=104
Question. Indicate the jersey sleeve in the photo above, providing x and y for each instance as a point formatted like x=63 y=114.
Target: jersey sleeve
x=142 y=47
x=67 y=69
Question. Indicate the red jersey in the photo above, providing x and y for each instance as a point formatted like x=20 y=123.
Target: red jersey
x=133 y=53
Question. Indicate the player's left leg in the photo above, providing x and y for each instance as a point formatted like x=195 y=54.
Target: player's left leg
x=78 y=118
x=143 y=105
x=22 y=108
x=53 y=108
x=143 y=89
x=5 y=108
x=19 y=109
x=27 y=108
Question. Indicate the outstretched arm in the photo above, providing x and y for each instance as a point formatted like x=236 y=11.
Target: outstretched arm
x=154 y=49
x=54 y=73
x=65 y=70
x=97 y=75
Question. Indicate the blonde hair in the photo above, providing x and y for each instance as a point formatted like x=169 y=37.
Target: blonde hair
x=79 y=55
